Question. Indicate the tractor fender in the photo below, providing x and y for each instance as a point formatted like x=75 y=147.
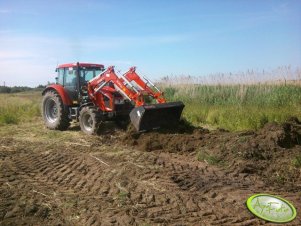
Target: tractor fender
x=61 y=91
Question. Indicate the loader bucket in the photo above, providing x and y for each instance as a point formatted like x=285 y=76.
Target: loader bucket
x=148 y=117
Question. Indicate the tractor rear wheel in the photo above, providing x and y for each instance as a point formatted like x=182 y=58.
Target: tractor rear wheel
x=54 y=114
x=89 y=120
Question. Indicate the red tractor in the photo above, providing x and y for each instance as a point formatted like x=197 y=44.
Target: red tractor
x=91 y=94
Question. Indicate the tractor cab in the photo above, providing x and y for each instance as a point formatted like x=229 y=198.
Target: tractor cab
x=73 y=77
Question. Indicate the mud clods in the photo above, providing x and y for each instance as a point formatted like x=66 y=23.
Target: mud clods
x=270 y=141
x=186 y=138
x=286 y=135
x=268 y=152
x=183 y=138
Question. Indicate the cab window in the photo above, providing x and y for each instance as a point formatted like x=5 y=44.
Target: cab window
x=86 y=74
x=70 y=77
x=60 y=76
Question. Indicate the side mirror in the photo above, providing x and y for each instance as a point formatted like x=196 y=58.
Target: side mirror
x=56 y=80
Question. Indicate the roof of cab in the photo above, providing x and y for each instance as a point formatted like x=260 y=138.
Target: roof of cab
x=81 y=65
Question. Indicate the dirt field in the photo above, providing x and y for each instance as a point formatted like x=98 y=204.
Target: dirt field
x=188 y=176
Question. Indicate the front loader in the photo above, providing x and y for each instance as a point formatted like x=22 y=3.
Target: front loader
x=91 y=94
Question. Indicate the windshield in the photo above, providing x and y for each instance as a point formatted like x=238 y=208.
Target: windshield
x=86 y=74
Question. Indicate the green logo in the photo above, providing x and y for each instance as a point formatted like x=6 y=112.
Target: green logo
x=271 y=208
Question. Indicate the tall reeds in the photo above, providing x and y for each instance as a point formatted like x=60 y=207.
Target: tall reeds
x=238 y=101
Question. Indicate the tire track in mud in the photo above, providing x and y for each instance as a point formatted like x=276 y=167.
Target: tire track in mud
x=186 y=187
x=135 y=188
x=21 y=200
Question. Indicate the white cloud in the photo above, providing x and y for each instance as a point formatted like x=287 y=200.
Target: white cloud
x=3 y=11
x=22 y=72
x=3 y=32
x=31 y=60
x=15 y=54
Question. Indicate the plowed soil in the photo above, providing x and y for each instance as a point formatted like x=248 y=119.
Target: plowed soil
x=183 y=176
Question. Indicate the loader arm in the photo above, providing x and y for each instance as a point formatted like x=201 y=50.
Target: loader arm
x=98 y=85
x=143 y=116
x=132 y=76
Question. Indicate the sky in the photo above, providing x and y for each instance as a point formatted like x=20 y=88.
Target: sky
x=160 y=37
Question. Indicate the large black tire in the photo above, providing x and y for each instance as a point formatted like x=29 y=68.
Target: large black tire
x=54 y=114
x=89 y=120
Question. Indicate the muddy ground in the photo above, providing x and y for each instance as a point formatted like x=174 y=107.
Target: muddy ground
x=184 y=176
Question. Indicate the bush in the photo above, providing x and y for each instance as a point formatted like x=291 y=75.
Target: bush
x=5 y=89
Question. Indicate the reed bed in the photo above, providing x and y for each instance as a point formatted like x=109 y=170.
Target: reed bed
x=240 y=102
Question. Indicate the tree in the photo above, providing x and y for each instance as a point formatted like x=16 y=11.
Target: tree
x=5 y=89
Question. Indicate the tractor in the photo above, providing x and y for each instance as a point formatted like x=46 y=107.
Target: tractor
x=92 y=95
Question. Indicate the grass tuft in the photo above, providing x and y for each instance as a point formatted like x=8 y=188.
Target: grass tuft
x=297 y=161
x=203 y=155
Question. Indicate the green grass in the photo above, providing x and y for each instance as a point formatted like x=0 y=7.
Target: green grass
x=237 y=107
x=203 y=155
x=297 y=161
x=21 y=107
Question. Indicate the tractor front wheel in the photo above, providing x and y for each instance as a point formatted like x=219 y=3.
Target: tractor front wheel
x=53 y=112
x=89 y=120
